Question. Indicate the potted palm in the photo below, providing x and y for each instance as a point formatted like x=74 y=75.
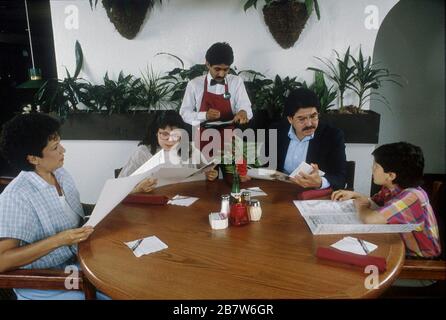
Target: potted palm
x=359 y=75
x=115 y=110
x=286 y=18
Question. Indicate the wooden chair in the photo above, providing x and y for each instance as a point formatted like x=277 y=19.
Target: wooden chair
x=44 y=280
x=350 y=178
x=430 y=269
x=40 y=279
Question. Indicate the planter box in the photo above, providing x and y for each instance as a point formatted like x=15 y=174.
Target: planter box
x=357 y=128
x=95 y=126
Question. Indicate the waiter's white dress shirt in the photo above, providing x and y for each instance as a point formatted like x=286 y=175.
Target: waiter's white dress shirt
x=190 y=107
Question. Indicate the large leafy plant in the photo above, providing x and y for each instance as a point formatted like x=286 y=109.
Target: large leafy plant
x=272 y=97
x=357 y=74
x=325 y=94
x=367 y=78
x=118 y=96
x=61 y=96
x=341 y=73
x=155 y=91
x=178 y=78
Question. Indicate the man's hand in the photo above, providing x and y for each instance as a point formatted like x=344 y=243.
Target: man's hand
x=212 y=114
x=241 y=117
x=146 y=185
x=312 y=180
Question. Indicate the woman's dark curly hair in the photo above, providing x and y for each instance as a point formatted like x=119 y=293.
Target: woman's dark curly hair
x=168 y=118
x=27 y=134
x=405 y=160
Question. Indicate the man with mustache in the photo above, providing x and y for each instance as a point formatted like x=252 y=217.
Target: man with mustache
x=303 y=137
x=216 y=96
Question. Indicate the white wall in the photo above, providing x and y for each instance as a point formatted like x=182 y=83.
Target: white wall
x=187 y=29
x=416 y=52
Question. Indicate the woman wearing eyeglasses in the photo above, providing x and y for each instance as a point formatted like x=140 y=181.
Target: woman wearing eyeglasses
x=166 y=135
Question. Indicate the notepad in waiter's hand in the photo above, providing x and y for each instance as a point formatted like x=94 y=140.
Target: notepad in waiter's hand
x=217 y=123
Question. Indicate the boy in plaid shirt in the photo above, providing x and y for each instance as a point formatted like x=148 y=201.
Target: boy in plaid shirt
x=398 y=168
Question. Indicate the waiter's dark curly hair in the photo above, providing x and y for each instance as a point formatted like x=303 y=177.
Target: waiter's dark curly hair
x=27 y=134
x=220 y=53
x=405 y=160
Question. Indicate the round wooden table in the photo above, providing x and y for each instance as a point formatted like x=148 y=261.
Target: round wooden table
x=270 y=259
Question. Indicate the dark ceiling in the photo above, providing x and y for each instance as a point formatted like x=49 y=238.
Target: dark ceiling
x=15 y=57
x=13 y=27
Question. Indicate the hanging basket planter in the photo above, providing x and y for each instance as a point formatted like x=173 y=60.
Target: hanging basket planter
x=285 y=21
x=127 y=16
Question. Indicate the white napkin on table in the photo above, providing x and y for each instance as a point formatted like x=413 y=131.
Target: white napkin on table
x=255 y=191
x=146 y=246
x=352 y=245
x=182 y=200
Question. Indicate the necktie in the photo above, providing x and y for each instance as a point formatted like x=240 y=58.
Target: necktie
x=214 y=82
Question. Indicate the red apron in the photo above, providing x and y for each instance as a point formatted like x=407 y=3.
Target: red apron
x=218 y=102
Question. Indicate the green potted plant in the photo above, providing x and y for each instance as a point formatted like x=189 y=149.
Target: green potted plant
x=341 y=73
x=325 y=94
x=60 y=96
x=286 y=18
x=368 y=78
x=272 y=97
x=360 y=76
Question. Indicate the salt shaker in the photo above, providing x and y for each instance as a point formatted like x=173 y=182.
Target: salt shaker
x=246 y=197
x=225 y=209
x=255 y=211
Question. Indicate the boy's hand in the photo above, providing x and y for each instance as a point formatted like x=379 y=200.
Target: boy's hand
x=342 y=195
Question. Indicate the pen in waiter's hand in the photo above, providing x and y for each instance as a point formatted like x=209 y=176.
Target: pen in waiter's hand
x=361 y=242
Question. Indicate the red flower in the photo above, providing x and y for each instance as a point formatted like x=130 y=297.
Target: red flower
x=242 y=168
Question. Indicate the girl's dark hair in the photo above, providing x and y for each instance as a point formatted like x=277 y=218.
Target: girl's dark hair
x=405 y=160
x=161 y=120
x=27 y=134
x=220 y=53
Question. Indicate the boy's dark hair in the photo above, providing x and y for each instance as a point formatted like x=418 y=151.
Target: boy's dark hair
x=168 y=118
x=405 y=160
x=220 y=53
x=27 y=134
x=300 y=98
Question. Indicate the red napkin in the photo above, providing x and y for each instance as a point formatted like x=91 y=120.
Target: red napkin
x=314 y=194
x=145 y=199
x=351 y=258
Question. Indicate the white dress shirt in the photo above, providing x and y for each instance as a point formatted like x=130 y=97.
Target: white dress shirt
x=297 y=153
x=190 y=107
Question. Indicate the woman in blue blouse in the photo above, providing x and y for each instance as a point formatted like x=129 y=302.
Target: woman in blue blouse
x=40 y=210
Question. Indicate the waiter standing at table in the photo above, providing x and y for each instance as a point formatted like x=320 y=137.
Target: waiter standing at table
x=216 y=96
